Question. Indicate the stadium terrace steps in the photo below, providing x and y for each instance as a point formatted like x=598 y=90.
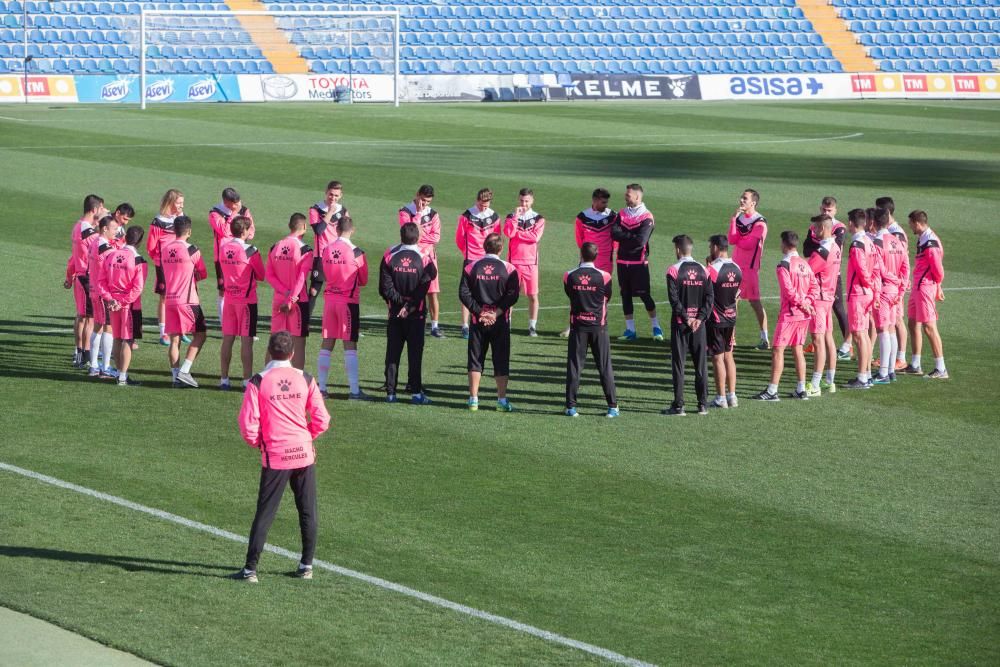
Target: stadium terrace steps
x=836 y=35
x=272 y=41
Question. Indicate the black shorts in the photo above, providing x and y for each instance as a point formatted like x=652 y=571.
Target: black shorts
x=720 y=339
x=633 y=279
x=306 y=311
x=495 y=338
x=220 y=282
x=136 y=324
x=199 y=319
x=161 y=281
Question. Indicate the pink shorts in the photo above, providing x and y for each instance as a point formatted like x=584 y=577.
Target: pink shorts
x=859 y=309
x=295 y=321
x=81 y=295
x=922 y=306
x=435 y=286
x=183 y=319
x=341 y=321
x=239 y=319
x=527 y=275
x=750 y=287
x=821 y=321
x=790 y=333
x=100 y=311
x=885 y=311
x=121 y=324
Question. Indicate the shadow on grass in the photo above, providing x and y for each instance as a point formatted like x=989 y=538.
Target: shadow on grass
x=127 y=563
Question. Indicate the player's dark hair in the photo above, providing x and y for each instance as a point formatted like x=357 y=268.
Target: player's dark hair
x=103 y=223
x=753 y=195
x=588 y=251
x=828 y=201
x=683 y=243
x=484 y=195
x=91 y=203
x=296 y=222
x=426 y=190
x=125 y=209
x=525 y=192
x=857 y=217
x=600 y=193
x=821 y=219
x=334 y=185
x=133 y=235
x=634 y=187
x=409 y=233
x=918 y=216
x=231 y=196
x=493 y=244
x=881 y=218
x=345 y=224
x=887 y=203
x=719 y=241
x=182 y=224
x=790 y=238
x=280 y=345
x=239 y=225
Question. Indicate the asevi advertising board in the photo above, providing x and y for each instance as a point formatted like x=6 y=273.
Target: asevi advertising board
x=159 y=88
x=315 y=87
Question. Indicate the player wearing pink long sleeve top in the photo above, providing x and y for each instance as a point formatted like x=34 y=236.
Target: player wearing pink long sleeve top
x=860 y=281
x=928 y=274
x=747 y=234
x=125 y=272
x=219 y=219
x=429 y=223
x=289 y=264
x=281 y=415
x=524 y=228
x=474 y=225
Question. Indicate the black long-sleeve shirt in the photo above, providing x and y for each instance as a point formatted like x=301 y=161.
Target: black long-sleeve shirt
x=489 y=284
x=405 y=274
x=691 y=293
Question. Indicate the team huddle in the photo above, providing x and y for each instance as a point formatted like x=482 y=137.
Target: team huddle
x=107 y=272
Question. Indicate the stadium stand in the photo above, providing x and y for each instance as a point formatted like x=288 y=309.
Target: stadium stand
x=527 y=37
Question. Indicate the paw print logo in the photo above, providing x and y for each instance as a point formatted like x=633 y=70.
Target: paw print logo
x=284 y=385
x=285 y=250
x=405 y=261
x=730 y=276
x=230 y=254
x=172 y=253
x=119 y=260
x=584 y=279
x=335 y=254
x=692 y=274
x=488 y=269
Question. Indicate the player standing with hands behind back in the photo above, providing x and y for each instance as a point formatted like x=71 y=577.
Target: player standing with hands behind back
x=525 y=227
x=747 y=233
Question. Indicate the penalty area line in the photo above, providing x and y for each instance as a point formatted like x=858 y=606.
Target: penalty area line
x=503 y=621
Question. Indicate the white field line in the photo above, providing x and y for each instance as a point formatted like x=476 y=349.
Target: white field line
x=552 y=637
x=445 y=147
x=373 y=313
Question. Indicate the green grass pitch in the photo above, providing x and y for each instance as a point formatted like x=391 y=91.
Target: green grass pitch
x=856 y=528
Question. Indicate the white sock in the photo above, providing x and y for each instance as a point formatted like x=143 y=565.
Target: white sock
x=351 y=366
x=224 y=380
x=800 y=386
x=123 y=377
x=186 y=366
x=830 y=375
x=772 y=389
x=763 y=336
x=434 y=324
x=893 y=352
x=323 y=368
x=884 y=353
x=219 y=303
x=107 y=345
x=629 y=325
x=163 y=329
x=939 y=364
x=816 y=378
x=731 y=396
x=95 y=349
x=719 y=398
x=915 y=361
x=846 y=347
x=900 y=354
x=532 y=324
x=864 y=377
x=655 y=321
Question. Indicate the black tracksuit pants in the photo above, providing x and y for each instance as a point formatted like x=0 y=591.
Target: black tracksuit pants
x=409 y=332
x=272 y=487
x=682 y=342
x=582 y=338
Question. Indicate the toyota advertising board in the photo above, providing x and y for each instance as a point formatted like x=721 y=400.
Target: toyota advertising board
x=315 y=87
